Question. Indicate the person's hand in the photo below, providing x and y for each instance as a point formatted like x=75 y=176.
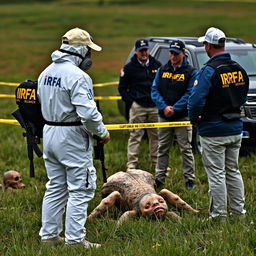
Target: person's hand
x=168 y=111
x=105 y=139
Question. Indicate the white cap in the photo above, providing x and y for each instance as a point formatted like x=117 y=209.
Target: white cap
x=212 y=36
x=77 y=36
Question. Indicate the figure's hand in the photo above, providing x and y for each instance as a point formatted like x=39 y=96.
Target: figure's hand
x=90 y=217
x=127 y=215
x=168 y=111
x=106 y=139
x=172 y=214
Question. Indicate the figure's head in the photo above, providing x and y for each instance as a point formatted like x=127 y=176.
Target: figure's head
x=214 y=41
x=79 y=42
x=142 y=50
x=177 y=52
x=79 y=37
x=12 y=180
x=152 y=205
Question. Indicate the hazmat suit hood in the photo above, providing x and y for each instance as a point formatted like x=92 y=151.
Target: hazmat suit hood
x=58 y=56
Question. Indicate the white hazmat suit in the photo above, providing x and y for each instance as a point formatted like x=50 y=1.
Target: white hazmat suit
x=66 y=95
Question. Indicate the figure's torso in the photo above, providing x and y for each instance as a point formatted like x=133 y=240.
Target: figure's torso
x=130 y=185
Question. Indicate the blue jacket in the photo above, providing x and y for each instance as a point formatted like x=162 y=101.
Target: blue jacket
x=173 y=87
x=198 y=99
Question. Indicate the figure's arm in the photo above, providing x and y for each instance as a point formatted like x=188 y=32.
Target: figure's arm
x=155 y=94
x=182 y=103
x=175 y=200
x=105 y=204
x=200 y=90
x=123 y=86
x=82 y=97
x=127 y=215
x=172 y=214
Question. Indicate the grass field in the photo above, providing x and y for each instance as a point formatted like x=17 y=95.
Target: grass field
x=29 y=33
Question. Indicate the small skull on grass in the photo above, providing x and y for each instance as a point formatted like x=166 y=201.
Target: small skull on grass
x=12 y=180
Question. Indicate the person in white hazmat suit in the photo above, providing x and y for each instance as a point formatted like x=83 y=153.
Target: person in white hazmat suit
x=66 y=95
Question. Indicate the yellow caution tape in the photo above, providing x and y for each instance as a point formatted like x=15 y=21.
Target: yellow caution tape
x=9 y=121
x=9 y=84
x=96 y=97
x=107 y=97
x=105 y=84
x=94 y=85
x=112 y=127
x=7 y=96
x=108 y=126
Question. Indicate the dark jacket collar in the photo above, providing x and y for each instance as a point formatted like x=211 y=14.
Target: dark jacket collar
x=224 y=56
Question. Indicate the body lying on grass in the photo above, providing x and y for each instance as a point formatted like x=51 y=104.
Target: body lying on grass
x=134 y=193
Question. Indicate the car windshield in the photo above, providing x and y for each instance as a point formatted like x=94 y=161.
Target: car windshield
x=246 y=58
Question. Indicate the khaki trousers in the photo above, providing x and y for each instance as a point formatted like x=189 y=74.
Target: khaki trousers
x=139 y=114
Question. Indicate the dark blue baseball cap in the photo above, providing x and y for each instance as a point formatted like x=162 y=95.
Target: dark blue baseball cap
x=141 y=44
x=177 y=46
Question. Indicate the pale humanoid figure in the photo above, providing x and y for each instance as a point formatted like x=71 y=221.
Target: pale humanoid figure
x=134 y=193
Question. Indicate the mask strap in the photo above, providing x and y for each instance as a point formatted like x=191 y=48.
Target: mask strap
x=72 y=53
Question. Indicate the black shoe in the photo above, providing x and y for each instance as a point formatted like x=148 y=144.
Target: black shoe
x=190 y=185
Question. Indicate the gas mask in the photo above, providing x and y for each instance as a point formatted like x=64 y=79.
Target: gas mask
x=86 y=62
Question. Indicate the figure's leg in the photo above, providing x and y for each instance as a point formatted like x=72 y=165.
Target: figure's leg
x=165 y=137
x=56 y=195
x=234 y=180
x=54 y=200
x=213 y=156
x=81 y=192
x=184 y=138
x=105 y=204
x=126 y=216
x=137 y=115
x=175 y=200
x=152 y=117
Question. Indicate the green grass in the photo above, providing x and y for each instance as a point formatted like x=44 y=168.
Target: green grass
x=29 y=33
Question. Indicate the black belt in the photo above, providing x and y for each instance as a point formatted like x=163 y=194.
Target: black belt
x=64 y=123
